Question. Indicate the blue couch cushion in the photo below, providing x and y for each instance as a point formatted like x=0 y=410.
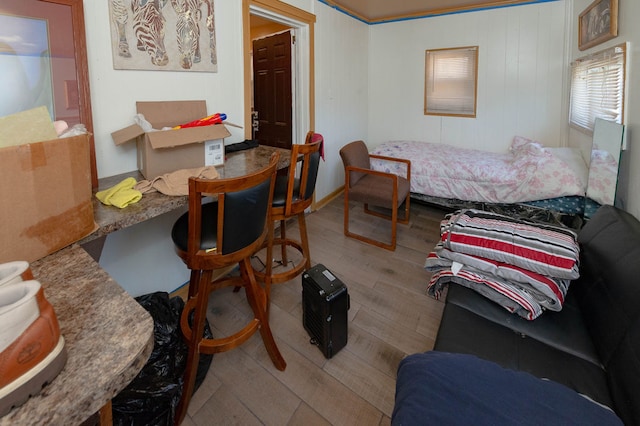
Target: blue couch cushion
x=460 y=389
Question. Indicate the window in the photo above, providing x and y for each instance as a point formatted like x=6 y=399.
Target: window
x=451 y=77
x=597 y=88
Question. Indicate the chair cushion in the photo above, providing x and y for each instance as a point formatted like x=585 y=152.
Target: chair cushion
x=456 y=389
x=377 y=191
x=355 y=154
x=464 y=331
x=280 y=191
x=180 y=231
x=564 y=330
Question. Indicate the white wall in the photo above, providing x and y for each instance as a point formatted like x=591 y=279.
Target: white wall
x=141 y=258
x=521 y=77
x=627 y=197
x=341 y=52
x=115 y=92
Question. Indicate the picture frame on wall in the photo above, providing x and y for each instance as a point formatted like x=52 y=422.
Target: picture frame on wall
x=598 y=23
x=163 y=36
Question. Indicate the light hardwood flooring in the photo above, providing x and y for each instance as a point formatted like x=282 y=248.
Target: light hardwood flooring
x=390 y=317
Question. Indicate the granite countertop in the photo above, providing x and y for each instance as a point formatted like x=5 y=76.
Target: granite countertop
x=110 y=219
x=108 y=337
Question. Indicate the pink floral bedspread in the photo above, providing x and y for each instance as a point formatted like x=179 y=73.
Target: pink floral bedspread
x=527 y=172
x=603 y=177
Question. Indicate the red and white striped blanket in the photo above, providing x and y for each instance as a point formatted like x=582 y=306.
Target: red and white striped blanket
x=525 y=267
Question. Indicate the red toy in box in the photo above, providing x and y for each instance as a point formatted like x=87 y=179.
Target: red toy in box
x=206 y=121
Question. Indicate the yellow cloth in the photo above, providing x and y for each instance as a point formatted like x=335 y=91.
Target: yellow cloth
x=120 y=195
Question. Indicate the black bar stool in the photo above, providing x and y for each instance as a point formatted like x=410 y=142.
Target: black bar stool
x=292 y=195
x=215 y=235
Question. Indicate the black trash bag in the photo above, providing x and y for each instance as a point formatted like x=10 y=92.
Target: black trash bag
x=153 y=396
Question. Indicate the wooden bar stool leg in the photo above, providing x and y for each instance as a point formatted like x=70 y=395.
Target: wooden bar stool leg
x=193 y=283
x=193 y=343
x=106 y=415
x=257 y=298
x=304 y=238
x=283 y=237
x=268 y=262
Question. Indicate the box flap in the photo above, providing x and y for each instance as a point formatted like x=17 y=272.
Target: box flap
x=171 y=113
x=29 y=126
x=128 y=133
x=173 y=138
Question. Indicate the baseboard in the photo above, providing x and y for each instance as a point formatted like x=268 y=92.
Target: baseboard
x=326 y=200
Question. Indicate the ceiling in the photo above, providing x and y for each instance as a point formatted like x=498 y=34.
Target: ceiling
x=373 y=11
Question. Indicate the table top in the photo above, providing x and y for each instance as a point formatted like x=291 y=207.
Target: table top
x=108 y=337
x=110 y=219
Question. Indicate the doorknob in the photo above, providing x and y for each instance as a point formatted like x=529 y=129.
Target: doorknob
x=254 y=120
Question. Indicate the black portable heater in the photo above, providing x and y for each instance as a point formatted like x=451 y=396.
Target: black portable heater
x=325 y=303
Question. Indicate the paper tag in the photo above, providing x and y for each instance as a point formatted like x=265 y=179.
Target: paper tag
x=214 y=153
x=328 y=275
x=456 y=267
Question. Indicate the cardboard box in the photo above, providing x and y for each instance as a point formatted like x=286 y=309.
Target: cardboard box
x=161 y=152
x=46 y=197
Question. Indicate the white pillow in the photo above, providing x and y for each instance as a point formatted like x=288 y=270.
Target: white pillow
x=574 y=160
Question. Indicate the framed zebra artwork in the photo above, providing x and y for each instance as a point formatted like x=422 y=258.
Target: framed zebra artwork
x=163 y=35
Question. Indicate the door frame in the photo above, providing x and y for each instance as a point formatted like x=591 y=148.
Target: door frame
x=302 y=24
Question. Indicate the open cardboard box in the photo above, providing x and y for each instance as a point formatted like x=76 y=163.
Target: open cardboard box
x=46 y=197
x=161 y=152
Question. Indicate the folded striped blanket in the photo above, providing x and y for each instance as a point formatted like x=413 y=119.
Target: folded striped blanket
x=545 y=249
x=524 y=267
x=503 y=293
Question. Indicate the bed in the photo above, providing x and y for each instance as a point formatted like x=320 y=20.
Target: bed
x=529 y=175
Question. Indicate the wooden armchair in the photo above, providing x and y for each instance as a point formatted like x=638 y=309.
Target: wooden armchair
x=376 y=188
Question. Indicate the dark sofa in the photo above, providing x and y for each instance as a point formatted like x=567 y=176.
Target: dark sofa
x=592 y=346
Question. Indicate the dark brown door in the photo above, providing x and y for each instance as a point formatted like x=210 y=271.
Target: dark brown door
x=272 y=90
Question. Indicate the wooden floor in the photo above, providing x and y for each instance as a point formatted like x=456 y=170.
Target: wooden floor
x=390 y=317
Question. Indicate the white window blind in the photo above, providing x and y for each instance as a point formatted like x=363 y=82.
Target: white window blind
x=450 y=81
x=597 y=88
